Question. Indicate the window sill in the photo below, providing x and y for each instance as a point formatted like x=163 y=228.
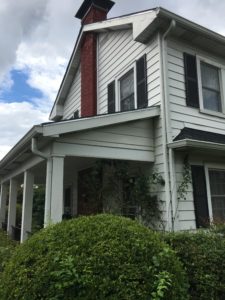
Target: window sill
x=212 y=113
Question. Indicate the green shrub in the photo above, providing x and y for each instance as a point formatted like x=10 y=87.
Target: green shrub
x=97 y=257
x=203 y=255
x=7 y=247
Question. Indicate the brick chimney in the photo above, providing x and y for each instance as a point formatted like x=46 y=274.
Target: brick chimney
x=91 y=11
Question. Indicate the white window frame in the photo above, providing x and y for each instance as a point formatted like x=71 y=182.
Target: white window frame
x=221 y=83
x=117 y=86
x=208 y=167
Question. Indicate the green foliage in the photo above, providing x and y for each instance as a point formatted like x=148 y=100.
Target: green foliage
x=7 y=247
x=125 y=190
x=38 y=208
x=186 y=180
x=203 y=255
x=98 y=257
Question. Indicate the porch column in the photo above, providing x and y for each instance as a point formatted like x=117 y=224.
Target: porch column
x=54 y=190
x=48 y=189
x=27 y=205
x=13 y=189
x=3 y=199
x=75 y=194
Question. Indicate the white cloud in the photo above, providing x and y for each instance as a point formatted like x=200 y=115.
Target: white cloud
x=38 y=36
x=16 y=120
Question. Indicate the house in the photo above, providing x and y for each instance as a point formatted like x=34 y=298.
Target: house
x=146 y=88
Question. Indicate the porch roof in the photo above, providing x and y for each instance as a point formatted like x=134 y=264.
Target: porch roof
x=198 y=139
x=48 y=132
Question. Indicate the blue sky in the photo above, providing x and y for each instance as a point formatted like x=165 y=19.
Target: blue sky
x=37 y=38
x=20 y=90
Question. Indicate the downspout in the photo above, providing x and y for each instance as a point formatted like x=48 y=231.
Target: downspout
x=34 y=149
x=48 y=190
x=167 y=136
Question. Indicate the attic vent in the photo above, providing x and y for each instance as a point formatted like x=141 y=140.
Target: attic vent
x=76 y=114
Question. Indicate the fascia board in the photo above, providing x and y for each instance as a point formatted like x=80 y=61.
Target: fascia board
x=67 y=79
x=36 y=130
x=189 y=143
x=163 y=13
x=98 y=121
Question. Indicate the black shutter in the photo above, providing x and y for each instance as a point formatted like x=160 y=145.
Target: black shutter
x=111 y=97
x=191 y=80
x=200 y=196
x=142 y=93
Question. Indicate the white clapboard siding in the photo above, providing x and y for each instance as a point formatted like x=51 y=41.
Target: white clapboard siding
x=137 y=135
x=73 y=100
x=117 y=52
x=159 y=166
x=180 y=113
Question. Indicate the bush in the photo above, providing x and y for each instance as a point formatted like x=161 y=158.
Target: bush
x=97 y=257
x=203 y=255
x=7 y=247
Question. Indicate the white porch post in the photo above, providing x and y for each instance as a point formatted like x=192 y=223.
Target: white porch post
x=12 y=205
x=57 y=189
x=75 y=194
x=27 y=205
x=54 y=190
x=48 y=189
x=3 y=199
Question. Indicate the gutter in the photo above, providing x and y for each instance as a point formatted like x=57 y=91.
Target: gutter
x=185 y=143
x=33 y=132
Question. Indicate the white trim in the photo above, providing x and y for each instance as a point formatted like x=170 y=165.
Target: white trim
x=99 y=121
x=208 y=167
x=220 y=67
x=208 y=191
x=196 y=144
x=118 y=77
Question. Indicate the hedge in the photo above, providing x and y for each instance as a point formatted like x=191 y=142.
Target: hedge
x=97 y=257
x=7 y=247
x=203 y=255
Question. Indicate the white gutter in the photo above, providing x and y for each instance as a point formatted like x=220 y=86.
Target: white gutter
x=35 y=150
x=171 y=191
x=16 y=150
x=190 y=143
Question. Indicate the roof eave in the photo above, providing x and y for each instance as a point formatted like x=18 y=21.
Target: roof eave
x=190 y=143
x=21 y=145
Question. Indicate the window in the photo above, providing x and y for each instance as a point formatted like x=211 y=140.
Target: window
x=203 y=80
x=126 y=88
x=129 y=90
x=210 y=80
x=217 y=190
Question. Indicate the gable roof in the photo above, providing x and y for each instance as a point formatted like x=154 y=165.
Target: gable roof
x=144 y=24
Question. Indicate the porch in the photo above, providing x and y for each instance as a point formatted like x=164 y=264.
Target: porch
x=59 y=156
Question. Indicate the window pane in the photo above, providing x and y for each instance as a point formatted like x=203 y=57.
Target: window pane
x=127 y=104
x=211 y=87
x=218 y=207
x=211 y=100
x=127 y=91
x=217 y=188
x=210 y=77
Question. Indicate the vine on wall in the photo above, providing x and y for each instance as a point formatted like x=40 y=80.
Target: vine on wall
x=125 y=190
x=186 y=180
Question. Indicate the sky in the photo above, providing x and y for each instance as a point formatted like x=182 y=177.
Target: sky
x=36 y=40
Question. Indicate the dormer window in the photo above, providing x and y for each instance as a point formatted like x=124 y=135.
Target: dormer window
x=129 y=89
